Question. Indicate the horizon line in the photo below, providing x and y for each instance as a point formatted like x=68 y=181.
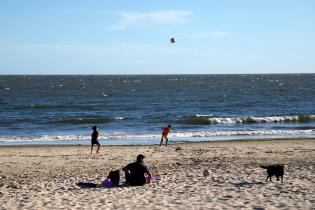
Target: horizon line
x=150 y=74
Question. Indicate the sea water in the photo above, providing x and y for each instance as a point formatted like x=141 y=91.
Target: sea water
x=132 y=109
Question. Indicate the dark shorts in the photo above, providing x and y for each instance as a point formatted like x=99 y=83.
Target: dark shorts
x=134 y=181
x=95 y=141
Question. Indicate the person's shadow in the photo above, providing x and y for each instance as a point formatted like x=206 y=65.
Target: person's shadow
x=246 y=184
x=90 y=185
x=85 y=185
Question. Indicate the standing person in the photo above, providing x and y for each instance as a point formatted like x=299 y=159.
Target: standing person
x=94 y=139
x=165 y=132
x=135 y=172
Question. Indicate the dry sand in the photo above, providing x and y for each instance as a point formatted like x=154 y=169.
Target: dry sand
x=45 y=177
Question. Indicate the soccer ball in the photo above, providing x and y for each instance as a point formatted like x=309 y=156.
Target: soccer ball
x=206 y=172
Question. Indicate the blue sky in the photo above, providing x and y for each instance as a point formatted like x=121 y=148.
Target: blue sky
x=132 y=37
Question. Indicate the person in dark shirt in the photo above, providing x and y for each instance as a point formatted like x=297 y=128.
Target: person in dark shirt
x=94 y=139
x=135 y=172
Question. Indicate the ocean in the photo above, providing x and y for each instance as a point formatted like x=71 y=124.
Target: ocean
x=132 y=109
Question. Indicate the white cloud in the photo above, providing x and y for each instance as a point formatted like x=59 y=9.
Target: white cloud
x=130 y=19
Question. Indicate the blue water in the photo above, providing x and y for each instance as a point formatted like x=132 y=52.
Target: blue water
x=131 y=109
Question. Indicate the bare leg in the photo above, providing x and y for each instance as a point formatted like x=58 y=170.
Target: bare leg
x=161 y=141
x=98 y=148
x=166 y=140
x=92 y=148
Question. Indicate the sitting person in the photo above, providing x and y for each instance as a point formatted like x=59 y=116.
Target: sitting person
x=112 y=179
x=135 y=172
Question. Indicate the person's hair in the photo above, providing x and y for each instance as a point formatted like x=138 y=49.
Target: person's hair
x=94 y=127
x=169 y=126
x=114 y=176
x=140 y=157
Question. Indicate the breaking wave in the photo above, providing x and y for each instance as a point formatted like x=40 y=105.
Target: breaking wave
x=209 y=120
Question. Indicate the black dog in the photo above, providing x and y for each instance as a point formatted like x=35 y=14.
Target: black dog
x=274 y=170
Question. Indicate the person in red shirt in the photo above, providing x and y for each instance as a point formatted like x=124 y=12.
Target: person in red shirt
x=165 y=132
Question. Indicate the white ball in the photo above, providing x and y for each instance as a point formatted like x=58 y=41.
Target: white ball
x=206 y=172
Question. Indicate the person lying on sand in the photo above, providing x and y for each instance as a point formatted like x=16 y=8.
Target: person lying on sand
x=135 y=172
x=112 y=180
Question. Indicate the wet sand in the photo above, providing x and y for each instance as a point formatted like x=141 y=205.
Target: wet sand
x=45 y=177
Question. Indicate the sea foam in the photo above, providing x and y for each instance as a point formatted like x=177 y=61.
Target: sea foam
x=208 y=119
x=194 y=135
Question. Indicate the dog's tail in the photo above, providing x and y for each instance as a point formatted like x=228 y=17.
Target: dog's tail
x=263 y=167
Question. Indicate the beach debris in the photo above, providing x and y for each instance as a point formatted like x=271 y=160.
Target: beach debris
x=156 y=177
x=206 y=172
x=178 y=148
x=13 y=185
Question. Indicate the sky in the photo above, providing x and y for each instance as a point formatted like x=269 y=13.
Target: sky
x=133 y=37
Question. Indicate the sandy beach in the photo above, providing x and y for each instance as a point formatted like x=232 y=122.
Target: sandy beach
x=45 y=177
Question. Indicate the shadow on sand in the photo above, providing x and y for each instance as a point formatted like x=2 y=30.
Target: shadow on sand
x=90 y=185
x=244 y=183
